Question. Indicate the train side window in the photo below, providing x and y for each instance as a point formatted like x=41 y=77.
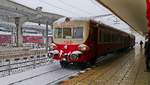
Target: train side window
x=120 y=38
x=94 y=34
x=114 y=38
x=102 y=36
x=117 y=38
x=106 y=37
x=110 y=37
x=99 y=36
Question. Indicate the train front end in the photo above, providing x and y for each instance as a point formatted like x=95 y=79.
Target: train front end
x=69 y=41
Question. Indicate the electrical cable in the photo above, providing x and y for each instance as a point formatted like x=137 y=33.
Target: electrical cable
x=58 y=7
x=87 y=12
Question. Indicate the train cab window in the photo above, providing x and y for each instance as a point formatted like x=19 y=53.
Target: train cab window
x=78 y=32
x=58 y=33
x=67 y=33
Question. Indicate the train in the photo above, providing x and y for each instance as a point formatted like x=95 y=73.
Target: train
x=81 y=41
x=5 y=36
x=30 y=36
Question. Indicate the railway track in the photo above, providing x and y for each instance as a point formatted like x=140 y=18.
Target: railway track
x=61 y=79
x=53 y=76
x=14 y=83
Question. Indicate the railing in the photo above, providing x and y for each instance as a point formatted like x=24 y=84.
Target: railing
x=18 y=60
x=17 y=65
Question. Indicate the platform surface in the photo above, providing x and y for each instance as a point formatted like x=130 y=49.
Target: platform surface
x=127 y=68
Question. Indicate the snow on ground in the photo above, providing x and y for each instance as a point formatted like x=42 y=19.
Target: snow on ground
x=39 y=76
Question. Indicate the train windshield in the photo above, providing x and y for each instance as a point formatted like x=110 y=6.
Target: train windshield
x=69 y=33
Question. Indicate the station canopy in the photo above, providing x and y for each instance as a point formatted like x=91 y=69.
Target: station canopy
x=9 y=10
x=132 y=12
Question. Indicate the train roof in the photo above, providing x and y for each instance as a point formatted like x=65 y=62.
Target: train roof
x=102 y=24
x=86 y=19
x=61 y=20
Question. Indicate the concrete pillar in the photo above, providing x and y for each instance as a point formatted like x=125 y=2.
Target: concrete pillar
x=47 y=40
x=43 y=34
x=13 y=36
x=19 y=38
x=52 y=33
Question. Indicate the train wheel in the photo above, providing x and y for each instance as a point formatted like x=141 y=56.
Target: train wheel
x=93 y=61
x=64 y=64
x=82 y=65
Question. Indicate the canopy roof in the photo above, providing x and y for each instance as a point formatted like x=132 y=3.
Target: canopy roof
x=9 y=10
x=131 y=11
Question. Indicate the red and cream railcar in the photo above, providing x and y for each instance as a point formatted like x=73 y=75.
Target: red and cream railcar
x=84 y=40
x=5 y=36
x=33 y=37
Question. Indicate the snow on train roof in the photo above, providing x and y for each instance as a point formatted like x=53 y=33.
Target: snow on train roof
x=5 y=33
x=35 y=25
x=61 y=20
x=72 y=18
x=29 y=25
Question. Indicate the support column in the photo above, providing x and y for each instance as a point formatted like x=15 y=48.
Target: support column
x=47 y=41
x=13 y=36
x=51 y=38
x=44 y=41
x=19 y=39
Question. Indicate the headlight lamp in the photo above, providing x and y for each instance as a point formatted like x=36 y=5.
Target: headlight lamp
x=53 y=46
x=83 y=47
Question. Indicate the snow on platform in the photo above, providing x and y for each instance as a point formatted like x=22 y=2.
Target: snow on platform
x=39 y=76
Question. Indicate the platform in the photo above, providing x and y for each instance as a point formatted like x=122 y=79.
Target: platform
x=124 y=69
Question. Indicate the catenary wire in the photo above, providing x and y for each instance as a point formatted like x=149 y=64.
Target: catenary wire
x=58 y=7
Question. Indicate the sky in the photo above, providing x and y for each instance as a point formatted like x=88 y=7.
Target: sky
x=71 y=8
x=77 y=8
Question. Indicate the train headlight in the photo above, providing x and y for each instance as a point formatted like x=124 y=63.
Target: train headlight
x=83 y=47
x=74 y=56
x=49 y=55
x=53 y=46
